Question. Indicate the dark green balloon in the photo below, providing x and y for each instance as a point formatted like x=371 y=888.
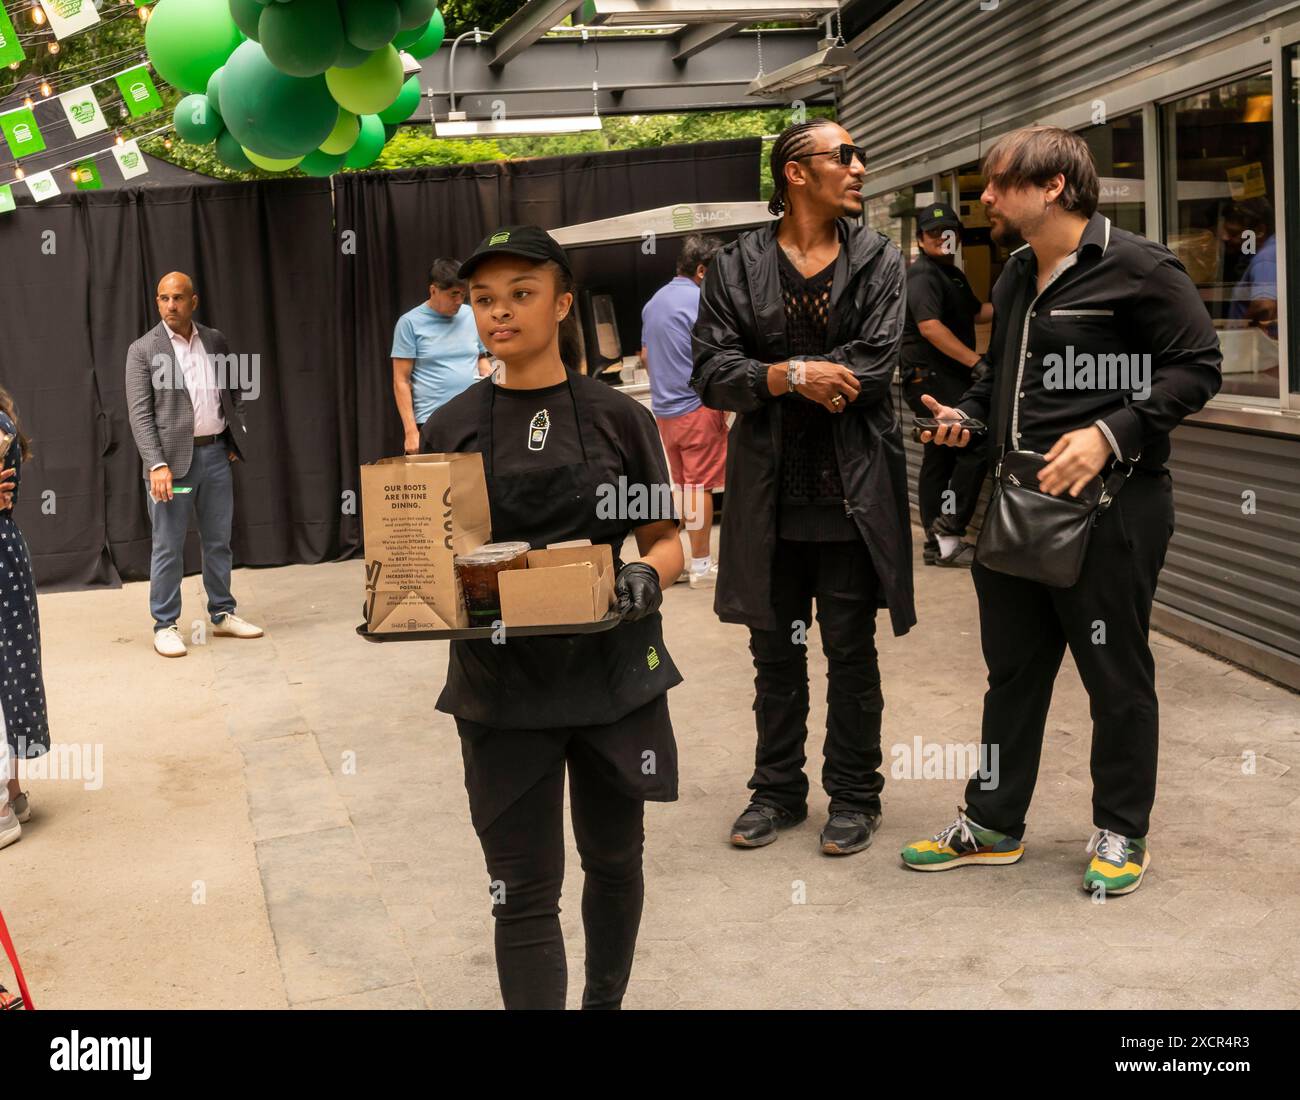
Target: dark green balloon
x=322 y=164
x=406 y=39
x=230 y=154
x=370 y=143
x=430 y=40
x=390 y=130
x=196 y=121
x=272 y=114
x=214 y=89
x=370 y=24
x=302 y=38
x=351 y=56
x=416 y=12
x=246 y=13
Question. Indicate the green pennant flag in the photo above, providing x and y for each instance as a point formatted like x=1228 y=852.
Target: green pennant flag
x=137 y=89
x=86 y=175
x=21 y=132
x=6 y=198
x=11 y=49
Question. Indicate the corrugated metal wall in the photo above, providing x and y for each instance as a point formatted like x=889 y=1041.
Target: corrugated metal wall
x=946 y=73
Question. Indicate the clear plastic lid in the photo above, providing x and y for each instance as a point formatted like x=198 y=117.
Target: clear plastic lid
x=492 y=553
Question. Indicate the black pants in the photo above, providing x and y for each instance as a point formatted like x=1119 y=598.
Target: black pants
x=1103 y=618
x=959 y=469
x=840 y=576
x=515 y=781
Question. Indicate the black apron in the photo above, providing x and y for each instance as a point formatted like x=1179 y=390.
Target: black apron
x=551 y=682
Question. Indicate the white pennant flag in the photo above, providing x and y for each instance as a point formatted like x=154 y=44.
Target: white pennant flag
x=82 y=109
x=129 y=159
x=69 y=16
x=42 y=186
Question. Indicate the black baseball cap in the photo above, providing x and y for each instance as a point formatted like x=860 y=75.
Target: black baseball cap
x=937 y=216
x=517 y=240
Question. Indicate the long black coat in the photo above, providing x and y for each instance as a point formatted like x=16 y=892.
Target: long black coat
x=740 y=332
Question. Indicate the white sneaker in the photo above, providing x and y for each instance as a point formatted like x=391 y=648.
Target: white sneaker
x=706 y=579
x=21 y=807
x=232 y=626
x=168 y=642
x=10 y=829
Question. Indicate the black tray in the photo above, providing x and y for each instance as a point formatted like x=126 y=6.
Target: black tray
x=611 y=620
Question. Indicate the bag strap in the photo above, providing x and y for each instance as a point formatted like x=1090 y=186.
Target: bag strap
x=1119 y=474
x=8 y=945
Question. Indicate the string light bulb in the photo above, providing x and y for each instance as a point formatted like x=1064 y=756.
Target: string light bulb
x=167 y=143
x=119 y=139
x=53 y=46
x=13 y=65
x=45 y=88
x=28 y=101
x=19 y=173
x=144 y=14
x=38 y=15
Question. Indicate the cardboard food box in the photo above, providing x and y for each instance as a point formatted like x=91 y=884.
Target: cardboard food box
x=568 y=582
x=419 y=512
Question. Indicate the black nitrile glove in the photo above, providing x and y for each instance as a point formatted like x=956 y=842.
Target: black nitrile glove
x=638 y=591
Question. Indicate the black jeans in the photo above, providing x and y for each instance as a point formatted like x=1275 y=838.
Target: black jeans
x=1103 y=618
x=840 y=576
x=959 y=469
x=524 y=850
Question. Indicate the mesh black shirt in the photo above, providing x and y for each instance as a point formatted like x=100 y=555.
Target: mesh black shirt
x=811 y=506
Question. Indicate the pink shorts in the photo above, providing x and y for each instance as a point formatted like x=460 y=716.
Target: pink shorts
x=696 y=443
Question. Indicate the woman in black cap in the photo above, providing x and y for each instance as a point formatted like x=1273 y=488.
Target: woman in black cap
x=563 y=454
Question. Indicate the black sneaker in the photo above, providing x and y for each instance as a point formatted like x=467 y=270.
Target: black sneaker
x=759 y=824
x=848 y=831
x=930 y=552
x=960 y=558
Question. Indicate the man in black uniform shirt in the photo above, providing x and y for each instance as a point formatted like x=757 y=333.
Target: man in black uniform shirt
x=937 y=357
x=798 y=333
x=1101 y=345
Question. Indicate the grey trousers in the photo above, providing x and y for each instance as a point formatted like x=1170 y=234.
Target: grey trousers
x=212 y=500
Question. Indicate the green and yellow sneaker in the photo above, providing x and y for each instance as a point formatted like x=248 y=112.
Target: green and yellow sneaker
x=961 y=843
x=1118 y=863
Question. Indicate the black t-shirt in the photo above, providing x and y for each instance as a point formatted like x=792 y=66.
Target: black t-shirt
x=537 y=430
x=937 y=292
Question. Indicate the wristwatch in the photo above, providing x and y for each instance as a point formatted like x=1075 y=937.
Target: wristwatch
x=795 y=372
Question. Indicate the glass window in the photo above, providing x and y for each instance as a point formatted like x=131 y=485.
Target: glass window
x=1117 y=148
x=1219 y=148
x=1291 y=142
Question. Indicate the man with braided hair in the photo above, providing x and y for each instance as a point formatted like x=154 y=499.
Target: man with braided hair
x=798 y=333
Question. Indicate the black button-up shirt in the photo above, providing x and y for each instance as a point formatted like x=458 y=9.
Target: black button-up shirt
x=1118 y=337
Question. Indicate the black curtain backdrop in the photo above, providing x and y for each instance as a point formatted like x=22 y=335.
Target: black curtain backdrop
x=311 y=282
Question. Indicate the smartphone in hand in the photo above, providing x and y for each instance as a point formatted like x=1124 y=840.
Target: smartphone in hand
x=932 y=424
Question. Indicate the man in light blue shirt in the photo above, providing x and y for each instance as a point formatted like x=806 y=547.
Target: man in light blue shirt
x=436 y=352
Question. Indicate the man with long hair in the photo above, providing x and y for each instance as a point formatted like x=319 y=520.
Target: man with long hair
x=798 y=334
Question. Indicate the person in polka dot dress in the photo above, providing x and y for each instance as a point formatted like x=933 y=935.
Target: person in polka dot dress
x=22 y=687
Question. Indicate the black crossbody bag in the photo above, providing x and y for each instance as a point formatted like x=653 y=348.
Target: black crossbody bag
x=1028 y=533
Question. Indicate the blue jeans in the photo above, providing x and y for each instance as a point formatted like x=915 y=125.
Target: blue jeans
x=213 y=499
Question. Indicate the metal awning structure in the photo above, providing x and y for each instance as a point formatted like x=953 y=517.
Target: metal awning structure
x=664 y=221
x=642 y=56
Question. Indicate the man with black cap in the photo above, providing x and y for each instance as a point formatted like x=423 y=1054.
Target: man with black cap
x=938 y=357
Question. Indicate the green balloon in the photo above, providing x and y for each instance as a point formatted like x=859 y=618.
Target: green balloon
x=246 y=13
x=273 y=114
x=302 y=38
x=231 y=154
x=403 y=107
x=390 y=131
x=196 y=121
x=370 y=143
x=343 y=136
x=406 y=39
x=272 y=164
x=351 y=56
x=214 y=89
x=189 y=40
x=431 y=39
x=321 y=164
x=416 y=12
x=371 y=86
x=370 y=24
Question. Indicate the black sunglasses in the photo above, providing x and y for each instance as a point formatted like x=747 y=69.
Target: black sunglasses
x=846 y=153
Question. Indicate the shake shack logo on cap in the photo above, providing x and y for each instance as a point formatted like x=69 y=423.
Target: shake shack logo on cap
x=498 y=238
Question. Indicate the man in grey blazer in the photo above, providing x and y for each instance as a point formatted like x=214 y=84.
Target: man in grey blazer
x=186 y=406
